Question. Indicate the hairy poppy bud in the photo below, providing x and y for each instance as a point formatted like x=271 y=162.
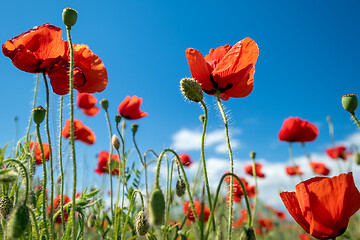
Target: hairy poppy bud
x=38 y=114
x=91 y=221
x=141 y=223
x=157 y=207
x=18 y=221
x=69 y=16
x=5 y=206
x=191 y=89
x=180 y=187
x=252 y=154
x=248 y=234
x=357 y=158
x=349 y=102
x=134 y=127
x=104 y=103
x=115 y=142
x=117 y=118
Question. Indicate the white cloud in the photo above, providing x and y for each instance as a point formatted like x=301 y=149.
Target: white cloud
x=353 y=139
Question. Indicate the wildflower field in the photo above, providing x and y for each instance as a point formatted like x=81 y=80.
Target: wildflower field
x=53 y=186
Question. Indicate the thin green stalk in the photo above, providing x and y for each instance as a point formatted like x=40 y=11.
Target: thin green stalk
x=60 y=163
x=50 y=156
x=293 y=161
x=195 y=178
x=231 y=164
x=256 y=186
x=72 y=140
x=110 y=166
x=332 y=137
x=34 y=103
x=45 y=179
x=355 y=119
x=168 y=195
x=143 y=163
x=35 y=223
x=26 y=176
x=145 y=169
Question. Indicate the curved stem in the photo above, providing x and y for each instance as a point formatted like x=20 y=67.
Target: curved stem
x=34 y=103
x=72 y=140
x=35 y=223
x=26 y=176
x=60 y=163
x=355 y=119
x=45 y=179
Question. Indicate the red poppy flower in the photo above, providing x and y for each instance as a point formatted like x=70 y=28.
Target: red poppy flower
x=86 y=102
x=36 y=50
x=37 y=152
x=291 y=171
x=319 y=168
x=227 y=69
x=258 y=167
x=238 y=191
x=185 y=159
x=298 y=130
x=337 y=152
x=103 y=166
x=129 y=108
x=266 y=223
x=81 y=132
x=56 y=207
x=197 y=205
x=322 y=206
x=304 y=236
x=90 y=74
x=241 y=220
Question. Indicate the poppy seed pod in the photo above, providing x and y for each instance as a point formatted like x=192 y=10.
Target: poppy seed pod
x=18 y=221
x=69 y=16
x=157 y=207
x=134 y=127
x=180 y=187
x=5 y=206
x=117 y=118
x=104 y=103
x=349 y=102
x=252 y=154
x=115 y=142
x=191 y=89
x=141 y=223
x=38 y=114
x=248 y=234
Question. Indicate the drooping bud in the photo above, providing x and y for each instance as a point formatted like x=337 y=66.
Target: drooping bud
x=349 y=102
x=180 y=187
x=8 y=176
x=202 y=118
x=191 y=89
x=5 y=206
x=91 y=221
x=157 y=207
x=134 y=127
x=18 y=221
x=115 y=142
x=69 y=16
x=252 y=154
x=248 y=234
x=104 y=103
x=357 y=158
x=117 y=118
x=141 y=223
x=38 y=114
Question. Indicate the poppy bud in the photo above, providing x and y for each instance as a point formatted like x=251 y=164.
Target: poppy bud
x=104 y=103
x=202 y=118
x=117 y=118
x=141 y=223
x=357 y=158
x=69 y=16
x=248 y=234
x=180 y=187
x=182 y=236
x=191 y=89
x=349 y=102
x=134 y=127
x=38 y=114
x=8 y=176
x=91 y=221
x=18 y=221
x=157 y=207
x=252 y=154
x=5 y=206
x=32 y=199
x=115 y=142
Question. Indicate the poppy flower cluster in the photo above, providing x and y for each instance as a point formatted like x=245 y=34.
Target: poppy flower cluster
x=198 y=208
x=258 y=170
x=298 y=130
x=103 y=163
x=281 y=215
x=337 y=152
x=37 y=151
x=185 y=159
x=266 y=223
x=226 y=69
x=242 y=219
x=238 y=191
x=129 y=108
x=81 y=132
x=56 y=207
x=322 y=206
x=86 y=102
x=42 y=49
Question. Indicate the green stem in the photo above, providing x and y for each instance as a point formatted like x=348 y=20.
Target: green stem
x=72 y=140
x=34 y=103
x=293 y=161
x=35 y=223
x=50 y=156
x=168 y=194
x=145 y=169
x=256 y=187
x=110 y=166
x=355 y=119
x=60 y=163
x=45 y=179
x=231 y=164
x=143 y=163
x=26 y=176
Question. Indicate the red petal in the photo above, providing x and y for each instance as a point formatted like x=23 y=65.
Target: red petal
x=199 y=68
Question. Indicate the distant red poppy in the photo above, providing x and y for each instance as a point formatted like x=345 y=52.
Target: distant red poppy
x=185 y=159
x=337 y=152
x=81 y=132
x=281 y=215
x=304 y=236
x=103 y=163
x=227 y=69
x=198 y=207
x=298 y=130
x=242 y=219
x=37 y=152
x=290 y=170
x=36 y=50
x=129 y=108
x=266 y=223
x=258 y=167
x=86 y=102
x=322 y=206
x=56 y=207
x=90 y=74
x=320 y=168
x=78 y=194
x=238 y=191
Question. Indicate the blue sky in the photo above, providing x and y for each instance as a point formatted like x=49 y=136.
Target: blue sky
x=308 y=59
